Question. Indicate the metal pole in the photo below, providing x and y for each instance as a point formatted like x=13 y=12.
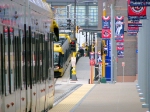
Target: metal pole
x=86 y=38
x=112 y=37
x=79 y=39
x=95 y=49
x=123 y=74
x=74 y=18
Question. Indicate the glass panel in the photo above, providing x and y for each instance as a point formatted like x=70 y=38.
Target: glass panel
x=19 y=43
x=80 y=10
x=1 y=70
x=93 y=14
x=6 y=76
x=33 y=58
x=41 y=57
x=37 y=70
x=12 y=75
x=56 y=58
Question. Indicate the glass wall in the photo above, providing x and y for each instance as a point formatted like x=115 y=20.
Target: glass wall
x=93 y=15
x=86 y=15
x=81 y=12
x=60 y=14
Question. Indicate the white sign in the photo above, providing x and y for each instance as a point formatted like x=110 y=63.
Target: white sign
x=123 y=63
x=73 y=61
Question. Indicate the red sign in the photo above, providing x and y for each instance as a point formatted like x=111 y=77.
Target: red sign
x=106 y=33
x=92 y=62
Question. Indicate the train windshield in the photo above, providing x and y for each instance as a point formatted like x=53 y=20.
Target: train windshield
x=56 y=58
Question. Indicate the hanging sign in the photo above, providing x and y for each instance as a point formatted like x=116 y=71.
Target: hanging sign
x=120 y=54
x=106 y=22
x=119 y=27
x=136 y=13
x=106 y=33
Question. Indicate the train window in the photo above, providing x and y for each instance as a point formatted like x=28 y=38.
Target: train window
x=40 y=57
x=61 y=61
x=19 y=59
x=1 y=65
x=51 y=49
x=37 y=62
x=56 y=58
x=33 y=58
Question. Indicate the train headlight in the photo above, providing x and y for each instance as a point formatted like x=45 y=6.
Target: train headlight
x=57 y=67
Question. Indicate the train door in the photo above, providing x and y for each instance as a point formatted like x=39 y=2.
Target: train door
x=46 y=64
x=50 y=80
x=28 y=69
x=34 y=92
x=1 y=36
x=43 y=61
x=0 y=73
x=37 y=71
x=18 y=68
x=2 y=103
x=25 y=71
x=22 y=72
x=9 y=69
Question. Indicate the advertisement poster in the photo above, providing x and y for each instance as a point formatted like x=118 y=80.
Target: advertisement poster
x=106 y=22
x=119 y=27
x=106 y=33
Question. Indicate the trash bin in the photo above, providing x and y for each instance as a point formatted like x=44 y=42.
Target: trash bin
x=103 y=80
x=96 y=72
x=70 y=72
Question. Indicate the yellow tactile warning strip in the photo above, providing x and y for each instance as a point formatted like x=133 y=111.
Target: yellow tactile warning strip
x=70 y=102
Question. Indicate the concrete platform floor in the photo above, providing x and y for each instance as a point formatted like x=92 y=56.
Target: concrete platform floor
x=119 y=97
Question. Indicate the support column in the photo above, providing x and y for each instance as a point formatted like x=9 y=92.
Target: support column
x=112 y=39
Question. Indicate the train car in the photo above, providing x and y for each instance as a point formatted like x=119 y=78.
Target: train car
x=62 y=55
x=63 y=35
x=26 y=56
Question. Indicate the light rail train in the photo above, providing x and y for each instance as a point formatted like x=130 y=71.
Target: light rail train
x=62 y=55
x=26 y=56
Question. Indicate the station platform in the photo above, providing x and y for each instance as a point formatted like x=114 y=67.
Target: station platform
x=118 y=97
x=82 y=73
